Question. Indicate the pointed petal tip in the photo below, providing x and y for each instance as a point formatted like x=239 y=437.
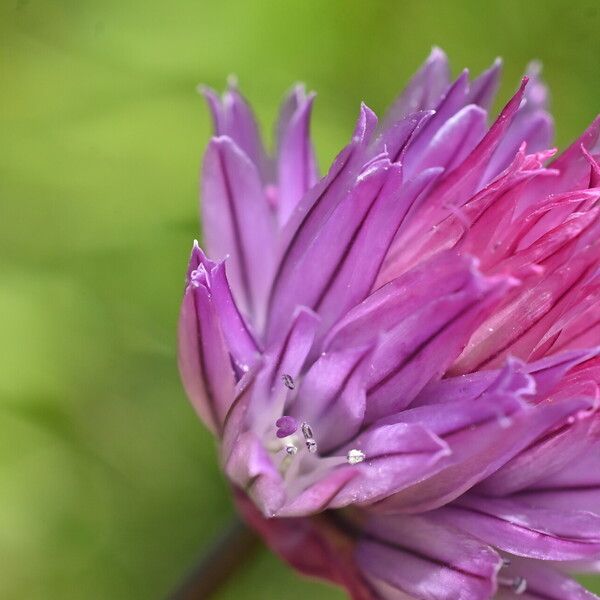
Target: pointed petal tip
x=299 y=91
x=506 y=281
x=214 y=103
x=206 y=91
x=219 y=140
x=196 y=260
x=223 y=142
x=232 y=82
x=306 y=312
x=295 y=93
x=494 y=69
x=305 y=103
x=437 y=53
x=216 y=145
x=299 y=87
x=592 y=135
x=515 y=362
x=534 y=68
x=594 y=162
x=367 y=120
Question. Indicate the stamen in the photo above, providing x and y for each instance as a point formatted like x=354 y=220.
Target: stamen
x=307 y=432
x=286 y=426
x=355 y=456
x=291 y=450
x=517 y=584
x=288 y=381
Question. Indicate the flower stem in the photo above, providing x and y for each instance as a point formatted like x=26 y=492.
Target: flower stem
x=234 y=546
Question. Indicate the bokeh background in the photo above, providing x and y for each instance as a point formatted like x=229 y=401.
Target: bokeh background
x=109 y=487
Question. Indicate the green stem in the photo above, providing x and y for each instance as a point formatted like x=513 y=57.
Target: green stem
x=229 y=551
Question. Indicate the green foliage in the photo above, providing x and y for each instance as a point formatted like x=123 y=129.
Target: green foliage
x=109 y=486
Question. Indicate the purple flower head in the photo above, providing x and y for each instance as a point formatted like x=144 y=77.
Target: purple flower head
x=401 y=358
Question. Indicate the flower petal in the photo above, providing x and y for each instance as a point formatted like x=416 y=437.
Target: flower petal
x=296 y=163
x=333 y=392
x=233 y=117
x=250 y=467
x=447 y=198
x=396 y=138
x=316 y=547
x=316 y=208
x=536 y=129
x=286 y=358
x=241 y=343
x=398 y=299
x=425 y=344
x=238 y=223
x=541 y=581
x=465 y=179
x=546 y=374
x=451 y=143
x=521 y=323
x=575 y=487
x=426 y=560
x=361 y=261
x=316 y=260
x=397 y=455
x=484 y=88
x=532 y=124
x=453 y=100
x=513 y=526
x=424 y=90
x=203 y=357
x=479 y=451
x=546 y=456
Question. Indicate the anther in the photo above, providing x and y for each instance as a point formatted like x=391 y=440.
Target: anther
x=519 y=585
x=311 y=445
x=291 y=450
x=355 y=456
x=307 y=432
x=286 y=426
x=288 y=381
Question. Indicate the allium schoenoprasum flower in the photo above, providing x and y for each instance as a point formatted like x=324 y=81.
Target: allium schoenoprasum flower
x=400 y=358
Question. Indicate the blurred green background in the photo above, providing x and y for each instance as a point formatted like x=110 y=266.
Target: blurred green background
x=109 y=487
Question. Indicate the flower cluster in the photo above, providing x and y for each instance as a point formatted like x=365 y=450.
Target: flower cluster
x=401 y=359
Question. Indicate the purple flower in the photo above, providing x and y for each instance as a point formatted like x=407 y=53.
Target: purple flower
x=401 y=358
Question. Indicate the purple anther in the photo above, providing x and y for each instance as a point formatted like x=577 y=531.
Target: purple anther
x=286 y=426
